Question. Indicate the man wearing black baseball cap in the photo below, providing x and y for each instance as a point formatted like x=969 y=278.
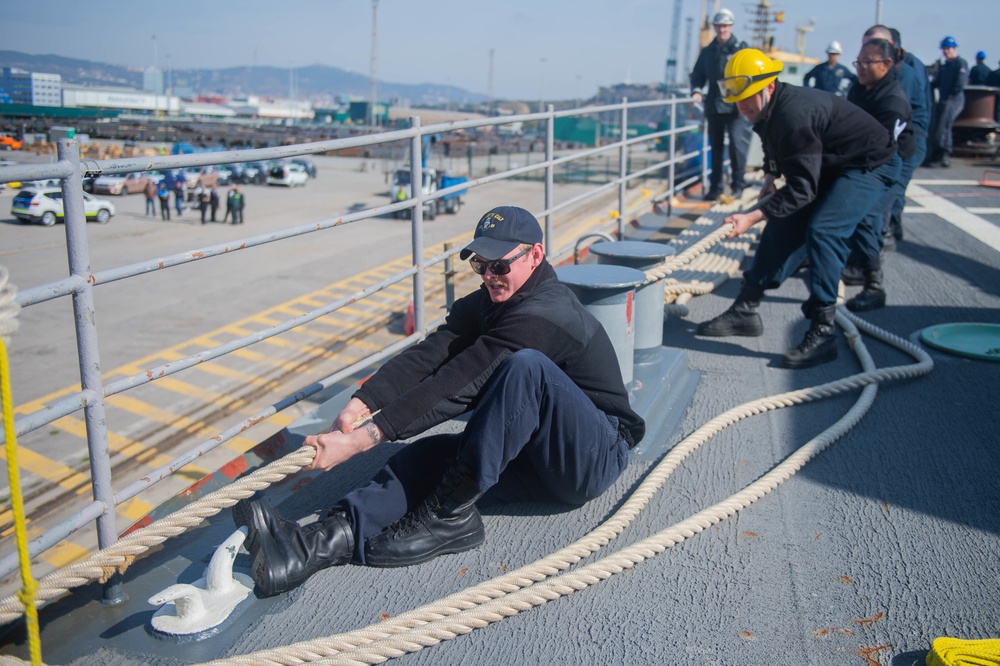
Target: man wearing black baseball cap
x=550 y=420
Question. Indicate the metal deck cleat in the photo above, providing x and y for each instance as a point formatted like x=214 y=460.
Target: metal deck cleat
x=205 y=604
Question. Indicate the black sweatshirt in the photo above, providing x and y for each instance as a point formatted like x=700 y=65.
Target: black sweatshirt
x=809 y=136
x=887 y=102
x=442 y=377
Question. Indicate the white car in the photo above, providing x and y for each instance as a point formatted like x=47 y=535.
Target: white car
x=289 y=175
x=46 y=206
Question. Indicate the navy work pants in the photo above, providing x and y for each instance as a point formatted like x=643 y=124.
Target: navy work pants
x=738 y=129
x=946 y=113
x=909 y=166
x=824 y=232
x=534 y=435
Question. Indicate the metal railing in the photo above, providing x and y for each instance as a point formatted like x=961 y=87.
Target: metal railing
x=81 y=282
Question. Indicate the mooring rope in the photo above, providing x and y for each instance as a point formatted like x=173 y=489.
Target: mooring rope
x=545 y=580
x=548 y=578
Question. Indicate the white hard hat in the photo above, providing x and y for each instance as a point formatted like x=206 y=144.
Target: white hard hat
x=724 y=17
x=834 y=47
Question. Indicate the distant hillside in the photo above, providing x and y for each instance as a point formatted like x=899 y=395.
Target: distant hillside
x=316 y=82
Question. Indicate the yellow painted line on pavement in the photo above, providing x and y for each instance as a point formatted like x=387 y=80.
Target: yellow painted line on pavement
x=133 y=509
x=64 y=553
x=57 y=473
x=229 y=373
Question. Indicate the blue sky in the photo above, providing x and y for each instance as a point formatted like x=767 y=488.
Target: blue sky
x=556 y=49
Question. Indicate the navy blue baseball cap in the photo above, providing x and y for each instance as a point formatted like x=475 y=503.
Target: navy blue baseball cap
x=502 y=230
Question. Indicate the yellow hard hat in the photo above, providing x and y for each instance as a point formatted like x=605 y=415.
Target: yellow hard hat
x=747 y=73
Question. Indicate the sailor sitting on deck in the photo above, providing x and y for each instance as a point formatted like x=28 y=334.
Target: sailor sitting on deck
x=550 y=420
x=838 y=163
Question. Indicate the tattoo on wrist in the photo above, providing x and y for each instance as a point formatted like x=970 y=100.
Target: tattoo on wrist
x=373 y=432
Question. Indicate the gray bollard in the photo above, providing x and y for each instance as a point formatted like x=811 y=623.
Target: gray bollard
x=641 y=255
x=608 y=292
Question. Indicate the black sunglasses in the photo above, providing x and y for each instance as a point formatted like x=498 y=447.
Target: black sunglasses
x=497 y=266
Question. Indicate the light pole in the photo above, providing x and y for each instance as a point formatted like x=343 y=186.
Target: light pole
x=541 y=87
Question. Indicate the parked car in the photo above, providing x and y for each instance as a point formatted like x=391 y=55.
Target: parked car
x=204 y=176
x=124 y=183
x=288 y=175
x=255 y=172
x=46 y=206
x=305 y=164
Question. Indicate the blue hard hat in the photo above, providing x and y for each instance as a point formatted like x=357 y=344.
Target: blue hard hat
x=981 y=55
x=949 y=42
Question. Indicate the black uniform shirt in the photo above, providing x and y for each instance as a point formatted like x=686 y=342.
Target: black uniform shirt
x=809 y=137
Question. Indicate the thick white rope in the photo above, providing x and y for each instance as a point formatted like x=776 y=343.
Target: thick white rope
x=541 y=582
x=9 y=307
x=425 y=621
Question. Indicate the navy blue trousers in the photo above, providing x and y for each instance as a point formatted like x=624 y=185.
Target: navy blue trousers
x=909 y=166
x=534 y=435
x=739 y=130
x=824 y=232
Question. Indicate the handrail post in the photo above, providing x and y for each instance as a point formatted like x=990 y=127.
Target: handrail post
x=550 y=129
x=622 y=169
x=671 y=168
x=89 y=356
x=704 y=153
x=417 y=223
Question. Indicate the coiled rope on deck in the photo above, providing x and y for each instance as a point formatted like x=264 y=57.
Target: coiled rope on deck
x=541 y=581
x=544 y=581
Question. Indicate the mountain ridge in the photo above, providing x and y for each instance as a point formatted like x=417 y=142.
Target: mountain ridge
x=320 y=84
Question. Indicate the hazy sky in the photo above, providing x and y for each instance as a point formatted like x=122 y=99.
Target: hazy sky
x=556 y=49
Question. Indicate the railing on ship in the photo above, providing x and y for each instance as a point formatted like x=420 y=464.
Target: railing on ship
x=80 y=284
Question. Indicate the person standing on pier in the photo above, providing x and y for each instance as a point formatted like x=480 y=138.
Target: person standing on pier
x=722 y=117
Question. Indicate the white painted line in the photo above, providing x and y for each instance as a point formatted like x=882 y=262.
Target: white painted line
x=929 y=181
x=984 y=211
x=957 y=216
x=916 y=210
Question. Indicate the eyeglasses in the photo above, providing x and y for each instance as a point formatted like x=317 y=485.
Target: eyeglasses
x=497 y=266
x=858 y=64
x=735 y=85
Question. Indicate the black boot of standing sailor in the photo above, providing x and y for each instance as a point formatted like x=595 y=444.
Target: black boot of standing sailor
x=740 y=319
x=872 y=296
x=820 y=342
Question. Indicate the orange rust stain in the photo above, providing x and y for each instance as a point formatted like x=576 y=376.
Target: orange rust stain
x=234 y=467
x=818 y=535
x=868 y=620
x=749 y=534
x=846 y=579
x=383 y=617
x=193 y=488
x=142 y=522
x=823 y=632
x=197 y=255
x=865 y=653
x=746 y=634
x=462 y=571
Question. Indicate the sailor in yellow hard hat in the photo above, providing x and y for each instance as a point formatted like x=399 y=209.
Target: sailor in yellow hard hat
x=837 y=162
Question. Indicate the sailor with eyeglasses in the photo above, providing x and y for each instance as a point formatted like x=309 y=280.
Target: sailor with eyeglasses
x=549 y=420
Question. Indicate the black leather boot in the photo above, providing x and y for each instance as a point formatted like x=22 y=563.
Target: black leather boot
x=446 y=522
x=283 y=553
x=820 y=342
x=740 y=319
x=872 y=296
